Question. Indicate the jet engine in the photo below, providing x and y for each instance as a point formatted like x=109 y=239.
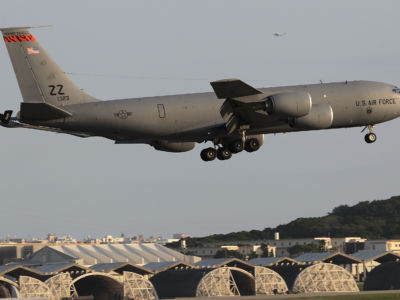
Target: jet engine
x=167 y=146
x=290 y=104
x=320 y=117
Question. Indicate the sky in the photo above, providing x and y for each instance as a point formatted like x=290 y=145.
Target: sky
x=121 y=49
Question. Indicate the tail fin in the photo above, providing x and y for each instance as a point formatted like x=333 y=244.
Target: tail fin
x=39 y=78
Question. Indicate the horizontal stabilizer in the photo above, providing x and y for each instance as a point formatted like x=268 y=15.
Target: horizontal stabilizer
x=233 y=88
x=22 y=27
x=41 y=111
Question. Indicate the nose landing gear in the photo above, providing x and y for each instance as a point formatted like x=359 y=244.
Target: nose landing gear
x=370 y=137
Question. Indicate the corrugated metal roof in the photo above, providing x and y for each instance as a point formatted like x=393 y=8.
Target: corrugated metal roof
x=210 y=262
x=367 y=254
x=107 y=267
x=4 y=269
x=372 y=254
x=310 y=257
x=7 y=269
x=120 y=267
x=216 y=262
x=161 y=266
x=133 y=253
x=157 y=266
x=56 y=268
x=333 y=257
x=266 y=261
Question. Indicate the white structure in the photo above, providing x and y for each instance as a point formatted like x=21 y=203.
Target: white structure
x=324 y=277
x=140 y=254
x=34 y=288
x=268 y=282
x=61 y=286
x=220 y=282
x=138 y=287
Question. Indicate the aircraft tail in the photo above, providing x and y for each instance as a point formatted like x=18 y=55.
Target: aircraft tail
x=39 y=78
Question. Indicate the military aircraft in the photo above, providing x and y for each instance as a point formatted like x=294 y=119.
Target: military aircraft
x=234 y=118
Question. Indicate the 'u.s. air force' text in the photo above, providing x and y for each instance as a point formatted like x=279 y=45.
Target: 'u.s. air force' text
x=376 y=102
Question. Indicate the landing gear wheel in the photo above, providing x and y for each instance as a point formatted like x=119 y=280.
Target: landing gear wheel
x=370 y=137
x=224 y=153
x=252 y=145
x=237 y=146
x=208 y=154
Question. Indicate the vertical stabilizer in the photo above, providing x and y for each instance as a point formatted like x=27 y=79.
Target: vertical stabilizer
x=39 y=78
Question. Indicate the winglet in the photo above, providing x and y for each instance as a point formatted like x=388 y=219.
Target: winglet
x=233 y=88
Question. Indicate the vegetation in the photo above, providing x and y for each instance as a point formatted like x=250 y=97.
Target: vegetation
x=228 y=253
x=378 y=219
x=299 y=249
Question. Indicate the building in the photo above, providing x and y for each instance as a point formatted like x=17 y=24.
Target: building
x=16 y=252
x=383 y=245
x=91 y=254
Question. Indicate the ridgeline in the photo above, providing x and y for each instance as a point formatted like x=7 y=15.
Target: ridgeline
x=378 y=219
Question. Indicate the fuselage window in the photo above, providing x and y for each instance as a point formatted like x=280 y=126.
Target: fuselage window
x=161 y=110
x=396 y=91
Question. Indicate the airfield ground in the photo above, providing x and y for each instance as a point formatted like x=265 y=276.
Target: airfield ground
x=370 y=295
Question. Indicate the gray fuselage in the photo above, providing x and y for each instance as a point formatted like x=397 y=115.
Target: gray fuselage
x=197 y=117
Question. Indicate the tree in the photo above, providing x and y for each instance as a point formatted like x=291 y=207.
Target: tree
x=253 y=254
x=299 y=249
x=228 y=254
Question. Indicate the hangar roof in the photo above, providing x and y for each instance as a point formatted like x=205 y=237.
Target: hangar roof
x=16 y=270
x=62 y=267
x=269 y=261
x=140 y=253
x=379 y=256
x=220 y=262
x=167 y=265
x=120 y=267
x=328 y=257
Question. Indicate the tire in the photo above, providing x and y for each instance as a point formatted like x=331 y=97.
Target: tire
x=236 y=146
x=208 y=154
x=370 y=138
x=252 y=145
x=224 y=154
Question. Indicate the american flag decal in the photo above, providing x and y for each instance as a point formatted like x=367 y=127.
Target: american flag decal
x=32 y=50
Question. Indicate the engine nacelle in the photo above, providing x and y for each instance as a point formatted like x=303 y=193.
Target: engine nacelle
x=167 y=146
x=320 y=117
x=290 y=104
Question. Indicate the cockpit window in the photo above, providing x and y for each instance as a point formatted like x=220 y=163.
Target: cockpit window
x=396 y=91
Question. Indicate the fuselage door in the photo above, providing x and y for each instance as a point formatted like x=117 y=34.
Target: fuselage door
x=161 y=111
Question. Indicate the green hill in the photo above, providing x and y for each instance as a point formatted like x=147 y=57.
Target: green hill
x=378 y=219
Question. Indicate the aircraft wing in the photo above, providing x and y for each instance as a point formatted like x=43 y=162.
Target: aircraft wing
x=244 y=105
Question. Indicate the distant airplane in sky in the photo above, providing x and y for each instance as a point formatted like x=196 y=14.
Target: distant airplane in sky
x=279 y=34
x=234 y=118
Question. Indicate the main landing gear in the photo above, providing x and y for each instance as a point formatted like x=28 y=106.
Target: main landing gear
x=210 y=154
x=225 y=152
x=370 y=137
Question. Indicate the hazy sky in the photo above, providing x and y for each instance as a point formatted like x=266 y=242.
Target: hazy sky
x=68 y=185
